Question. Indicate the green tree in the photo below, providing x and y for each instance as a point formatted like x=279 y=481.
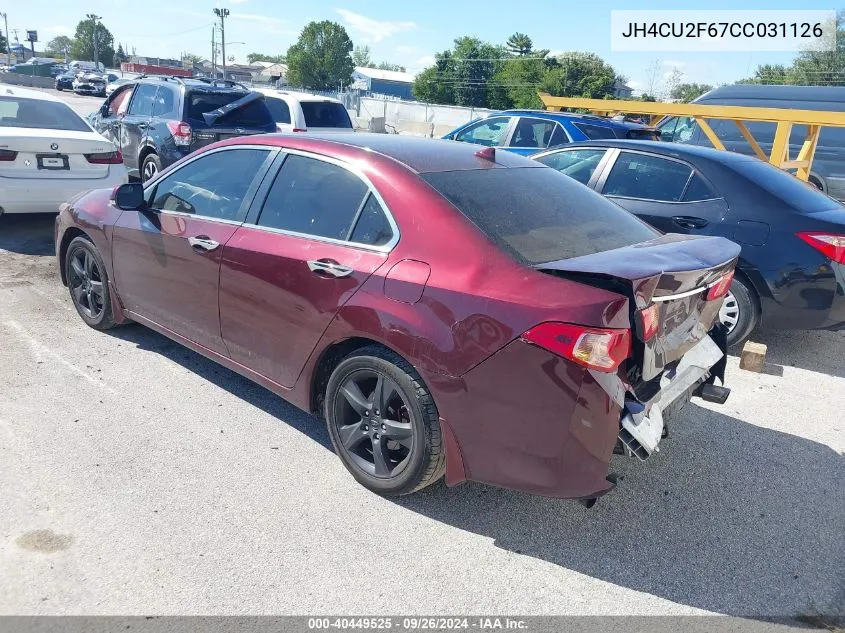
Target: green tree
x=689 y=92
x=59 y=46
x=519 y=44
x=187 y=58
x=361 y=56
x=120 y=55
x=261 y=57
x=817 y=67
x=394 y=67
x=322 y=57
x=476 y=63
x=770 y=74
x=578 y=74
x=516 y=84
x=83 y=43
x=436 y=84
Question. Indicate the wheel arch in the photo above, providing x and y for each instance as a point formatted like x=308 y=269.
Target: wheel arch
x=330 y=357
x=72 y=233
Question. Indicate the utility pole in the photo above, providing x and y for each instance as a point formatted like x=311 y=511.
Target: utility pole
x=8 y=43
x=94 y=19
x=222 y=14
x=213 y=51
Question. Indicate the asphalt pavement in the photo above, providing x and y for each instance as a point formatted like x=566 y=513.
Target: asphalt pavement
x=139 y=478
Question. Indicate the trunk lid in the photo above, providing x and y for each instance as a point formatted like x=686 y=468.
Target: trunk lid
x=52 y=154
x=672 y=272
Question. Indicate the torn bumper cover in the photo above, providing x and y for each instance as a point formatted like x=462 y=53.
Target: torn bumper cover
x=643 y=425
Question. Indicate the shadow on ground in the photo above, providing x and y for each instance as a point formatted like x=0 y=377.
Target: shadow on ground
x=28 y=234
x=729 y=517
x=816 y=350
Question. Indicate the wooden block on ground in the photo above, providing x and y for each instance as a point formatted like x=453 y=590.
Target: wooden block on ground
x=753 y=357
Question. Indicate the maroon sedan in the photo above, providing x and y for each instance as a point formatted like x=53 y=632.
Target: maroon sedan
x=446 y=308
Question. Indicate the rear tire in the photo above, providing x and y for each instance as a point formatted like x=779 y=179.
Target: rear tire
x=89 y=284
x=740 y=312
x=403 y=424
x=150 y=167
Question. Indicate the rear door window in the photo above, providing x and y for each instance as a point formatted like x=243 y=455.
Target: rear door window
x=537 y=214
x=313 y=197
x=647 y=177
x=142 y=101
x=579 y=164
x=490 y=132
x=165 y=102
x=325 y=114
x=533 y=133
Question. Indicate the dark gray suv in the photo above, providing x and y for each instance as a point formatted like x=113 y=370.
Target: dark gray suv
x=828 y=171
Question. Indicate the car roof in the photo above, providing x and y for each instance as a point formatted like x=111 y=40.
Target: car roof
x=587 y=118
x=826 y=94
x=25 y=93
x=420 y=154
x=299 y=96
x=677 y=150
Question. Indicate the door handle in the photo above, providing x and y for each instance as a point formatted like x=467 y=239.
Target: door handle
x=202 y=243
x=143 y=126
x=328 y=268
x=689 y=222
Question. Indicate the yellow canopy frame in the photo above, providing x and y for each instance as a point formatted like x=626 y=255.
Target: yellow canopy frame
x=784 y=118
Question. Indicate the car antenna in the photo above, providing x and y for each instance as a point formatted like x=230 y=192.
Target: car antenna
x=488 y=153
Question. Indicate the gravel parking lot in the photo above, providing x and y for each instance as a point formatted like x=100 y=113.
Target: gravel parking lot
x=139 y=477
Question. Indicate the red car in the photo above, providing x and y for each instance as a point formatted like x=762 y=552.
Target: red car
x=445 y=307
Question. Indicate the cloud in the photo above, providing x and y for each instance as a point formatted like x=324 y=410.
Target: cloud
x=374 y=30
x=635 y=85
x=53 y=31
x=406 y=50
x=238 y=1
x=428 y=60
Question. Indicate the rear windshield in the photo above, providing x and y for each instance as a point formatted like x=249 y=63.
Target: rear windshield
x=35 y=113
x=801 y=196
x=325 y=114
x=254 y=114
x=539 y=215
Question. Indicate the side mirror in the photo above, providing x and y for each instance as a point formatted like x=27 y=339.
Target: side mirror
x=104 y=110
x=129 y=197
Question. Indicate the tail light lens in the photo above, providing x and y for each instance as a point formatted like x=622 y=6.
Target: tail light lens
x=105 y=158
x=298 y=129
x=7 y=155
x=831 y=245
x=600 y=349
x=720 y=288
x=181 y=132
x=649 y=319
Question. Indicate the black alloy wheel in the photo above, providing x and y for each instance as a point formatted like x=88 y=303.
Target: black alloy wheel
x=88 y=284
x=383 y=422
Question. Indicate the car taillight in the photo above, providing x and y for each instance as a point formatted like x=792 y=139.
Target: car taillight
x=299 y=129
x=601 y=349
x=649 y=320
x=7 y=155
x=181 y=132
x=720 y=287
x=831 y=245
x=105 y=158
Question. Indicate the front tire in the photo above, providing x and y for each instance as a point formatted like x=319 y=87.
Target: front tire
x=150 y=167
x=89 y=284
x=740 y=312
x=383 y=423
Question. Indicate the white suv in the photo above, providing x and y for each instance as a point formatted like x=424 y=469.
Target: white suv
x=302 y=112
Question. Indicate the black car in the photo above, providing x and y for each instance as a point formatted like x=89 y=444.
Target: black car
x=155 y=121
x=65 y=80
x=791 y=273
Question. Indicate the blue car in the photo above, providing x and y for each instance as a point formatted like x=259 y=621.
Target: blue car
x=528 y=131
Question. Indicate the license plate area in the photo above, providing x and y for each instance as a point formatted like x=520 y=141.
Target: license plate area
x=54 y=162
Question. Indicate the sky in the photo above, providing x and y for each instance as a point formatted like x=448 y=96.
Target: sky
x=404 y=32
